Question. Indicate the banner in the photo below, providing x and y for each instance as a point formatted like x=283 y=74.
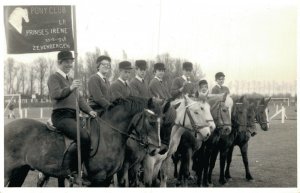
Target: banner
x=37 y=29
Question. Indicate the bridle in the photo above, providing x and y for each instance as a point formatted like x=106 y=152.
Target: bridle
x=258 y=120
x=247 y=126
x=187 y=113
x=220 y=118
x=144 y=142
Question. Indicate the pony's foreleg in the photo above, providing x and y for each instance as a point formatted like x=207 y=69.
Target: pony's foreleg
x=175 y=159
x=223 y=156
x=148 y=170
x=212 y=163
x=123 y=175
x=163 y=173
x=42 y=179
x=229 y=159
x=18 y=176
x=244 y=152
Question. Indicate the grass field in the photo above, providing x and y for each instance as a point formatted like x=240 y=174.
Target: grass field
x=272 y=157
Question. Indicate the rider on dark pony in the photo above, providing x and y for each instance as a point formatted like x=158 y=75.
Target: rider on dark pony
x=62 y=92
x=219 y=88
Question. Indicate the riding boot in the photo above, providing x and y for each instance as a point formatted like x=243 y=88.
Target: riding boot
x=71 y=161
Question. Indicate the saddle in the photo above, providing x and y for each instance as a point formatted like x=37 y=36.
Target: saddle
x=85 y=122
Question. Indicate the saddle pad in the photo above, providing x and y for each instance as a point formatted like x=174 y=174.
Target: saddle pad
x=51 y=127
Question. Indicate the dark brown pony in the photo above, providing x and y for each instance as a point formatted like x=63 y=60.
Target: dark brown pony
x=30 y=145
x=256 y=113
x=240 y=122
x=130 y=173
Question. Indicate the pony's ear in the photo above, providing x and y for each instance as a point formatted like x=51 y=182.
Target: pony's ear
x=242 y=99
x=166 y=107
x=267 y=101
x=224 y=96
x=177 y=105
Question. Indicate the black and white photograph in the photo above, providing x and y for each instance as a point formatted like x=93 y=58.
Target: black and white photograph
x=149 y=94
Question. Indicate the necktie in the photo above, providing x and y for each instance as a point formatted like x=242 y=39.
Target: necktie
x=125 y=83
x=67 y=78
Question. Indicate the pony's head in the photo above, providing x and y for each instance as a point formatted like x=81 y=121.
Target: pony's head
x=193 y=115
x=146 y=125
x=220 y=110
x=239 y=114
x=251 y=127
x=262 y=116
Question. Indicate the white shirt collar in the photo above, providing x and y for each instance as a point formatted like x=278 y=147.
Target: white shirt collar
x=123 y=81
x=218 y=85
x=158 y=78
x=62 y=73
x=185 y=78
x=139 y=78
x=101 y=75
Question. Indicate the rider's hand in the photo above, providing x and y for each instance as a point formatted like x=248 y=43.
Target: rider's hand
x=75 y=84
x=93 y=114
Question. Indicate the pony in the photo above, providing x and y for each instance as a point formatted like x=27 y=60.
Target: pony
x=257 y=113
x=188 y=150
x=193 y=116
x=239 y=120
x=29 y=145
x=129 y=175
x=16 y=18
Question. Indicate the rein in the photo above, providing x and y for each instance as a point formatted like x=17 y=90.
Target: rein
x=257 y=120
x=219 y=114
x=193 y=123
x=140 y=141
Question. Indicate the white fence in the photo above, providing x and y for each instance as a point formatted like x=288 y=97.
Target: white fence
x=281 y=111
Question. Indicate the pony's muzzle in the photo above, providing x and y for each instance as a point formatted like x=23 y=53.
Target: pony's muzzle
x=226 y=130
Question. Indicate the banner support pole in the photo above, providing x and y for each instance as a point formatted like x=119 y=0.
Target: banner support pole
x=76 y=76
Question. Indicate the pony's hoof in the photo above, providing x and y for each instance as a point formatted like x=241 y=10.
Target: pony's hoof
x=229 y=179
x=223 y=182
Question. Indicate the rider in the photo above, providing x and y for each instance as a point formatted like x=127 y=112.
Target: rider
x=157 y=88
x=182 y=85
x=203 y=87
x=120 y=88
x=62 y=90
x=219 y=88
x=138 y=85
x=99 y=86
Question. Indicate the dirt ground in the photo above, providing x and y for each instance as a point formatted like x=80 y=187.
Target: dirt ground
x=272 y=159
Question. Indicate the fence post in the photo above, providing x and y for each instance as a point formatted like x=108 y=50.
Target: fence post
x=282 y=114
x=41 y=113
x=21 y=113
x=25 y=116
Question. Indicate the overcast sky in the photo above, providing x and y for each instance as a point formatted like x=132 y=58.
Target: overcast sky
x=247 y=41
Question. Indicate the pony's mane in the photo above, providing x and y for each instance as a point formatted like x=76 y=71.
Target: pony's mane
x=219 y=97
x=131 y=103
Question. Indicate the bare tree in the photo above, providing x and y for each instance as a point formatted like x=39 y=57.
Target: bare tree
x=41 y=69
x=32 y=78
x=9 y=74
x=90 y=59
x=20 y=72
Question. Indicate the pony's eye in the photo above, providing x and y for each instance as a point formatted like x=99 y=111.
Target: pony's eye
x=196 y=112
x=202 y=108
